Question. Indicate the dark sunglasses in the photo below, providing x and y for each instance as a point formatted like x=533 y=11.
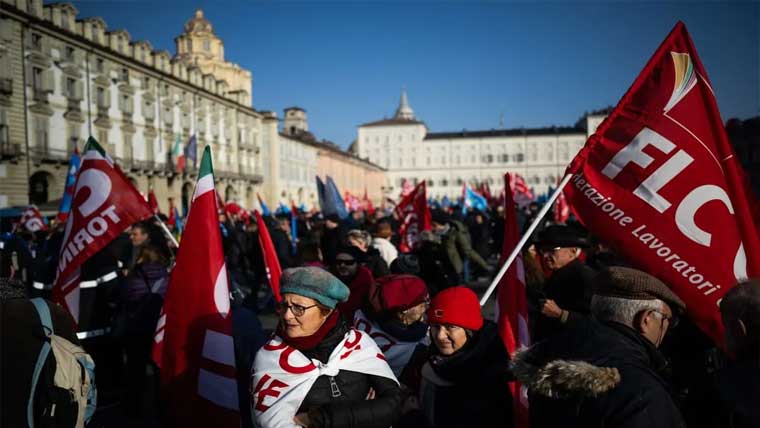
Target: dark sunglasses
x=345 y=262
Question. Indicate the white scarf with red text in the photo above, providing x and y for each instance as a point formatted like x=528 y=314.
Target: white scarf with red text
x=282 y=375
x=397 y=352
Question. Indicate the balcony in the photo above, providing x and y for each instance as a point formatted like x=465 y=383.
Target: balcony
x=47 y=154
x=8 y=150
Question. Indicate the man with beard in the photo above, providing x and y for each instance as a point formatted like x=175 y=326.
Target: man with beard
x=567 y=293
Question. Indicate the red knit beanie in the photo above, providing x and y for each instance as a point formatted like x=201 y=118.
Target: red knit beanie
x=401 y=292
x=457 y=306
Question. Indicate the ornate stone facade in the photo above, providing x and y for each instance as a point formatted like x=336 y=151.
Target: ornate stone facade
x=63 y=78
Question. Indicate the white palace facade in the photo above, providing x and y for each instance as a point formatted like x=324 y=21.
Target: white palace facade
x=404 y=146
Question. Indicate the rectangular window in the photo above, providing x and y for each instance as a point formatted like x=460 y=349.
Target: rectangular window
x=206 y=45
x=36 y=41
x=99 y=65
x=71 y=89
x=100 y=96
x=125 y=75
x=103 y=136
x=41 y=133
x=69 y=53
x=37 y=78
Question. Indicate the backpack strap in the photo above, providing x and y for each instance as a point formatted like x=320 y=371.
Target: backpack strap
x=47 y=325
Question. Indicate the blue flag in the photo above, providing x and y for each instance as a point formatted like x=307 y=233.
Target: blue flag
x=333 y=200
x=321 y=195
x=264 y=208
x=178 y=221
x=282 y=209
x=68 y=190
x=474 y=200
x=191 y=150
x=445 y=202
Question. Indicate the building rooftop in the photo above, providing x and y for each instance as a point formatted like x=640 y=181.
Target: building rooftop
x=561 y=130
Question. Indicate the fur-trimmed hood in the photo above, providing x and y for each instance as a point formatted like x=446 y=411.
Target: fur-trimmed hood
x=564 y=378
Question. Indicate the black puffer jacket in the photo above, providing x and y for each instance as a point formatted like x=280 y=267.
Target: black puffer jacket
x=597 y=375
x=469 y=388
x=350 y=408
x=571 y=288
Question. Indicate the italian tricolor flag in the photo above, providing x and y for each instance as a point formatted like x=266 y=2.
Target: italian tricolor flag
x=179 y=153
x=193 y=342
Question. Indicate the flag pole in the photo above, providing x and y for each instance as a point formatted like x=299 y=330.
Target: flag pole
x=166 y=230
x=524 y=239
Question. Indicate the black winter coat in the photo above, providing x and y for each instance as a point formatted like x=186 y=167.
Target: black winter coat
x=597 y=375
x=739 y=394
x=351 y=408
x=571 y=287
x=470 y=388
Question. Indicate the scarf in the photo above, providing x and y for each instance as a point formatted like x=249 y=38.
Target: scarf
x=282 y=375
x=310 y=342
x=397 y=351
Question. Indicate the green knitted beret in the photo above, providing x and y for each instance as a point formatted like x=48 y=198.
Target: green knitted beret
x=315 y=283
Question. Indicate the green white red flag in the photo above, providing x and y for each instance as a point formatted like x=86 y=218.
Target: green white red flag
x=660 y=183
x=193 y=343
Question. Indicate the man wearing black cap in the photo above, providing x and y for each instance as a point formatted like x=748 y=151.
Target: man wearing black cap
x=567 y=294
x=456 y=241
x=605 y=371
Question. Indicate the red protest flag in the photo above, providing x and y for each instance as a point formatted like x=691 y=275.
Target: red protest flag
x=561 y=209
x=153 y=202
x=32 y=220
x=272 y=263
x=511 y=303
x=193 y=343
x=659 y=182
x=104 y=204
x=414 y=214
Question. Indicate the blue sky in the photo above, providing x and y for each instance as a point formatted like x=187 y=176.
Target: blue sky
x=463 y=63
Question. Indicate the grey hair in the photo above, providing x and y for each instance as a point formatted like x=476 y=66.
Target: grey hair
x=624 y=311
x=361 y=235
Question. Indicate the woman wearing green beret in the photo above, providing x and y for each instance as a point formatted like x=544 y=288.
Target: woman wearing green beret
x=316 y=371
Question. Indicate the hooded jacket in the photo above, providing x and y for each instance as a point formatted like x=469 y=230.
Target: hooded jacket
x=597 y=375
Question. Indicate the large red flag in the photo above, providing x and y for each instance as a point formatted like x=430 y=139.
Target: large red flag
x=511 y=303
x=660 y=183
x=105 y=203
x=271 y=262
x=414 y=215
x=193 y=343
x=153 y=202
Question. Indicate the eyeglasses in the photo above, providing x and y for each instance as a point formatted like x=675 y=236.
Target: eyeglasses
x=672 y=319
x=345 y=262
x=297 y=310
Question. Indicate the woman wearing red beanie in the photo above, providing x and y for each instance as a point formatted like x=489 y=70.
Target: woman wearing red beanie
x=465 y=378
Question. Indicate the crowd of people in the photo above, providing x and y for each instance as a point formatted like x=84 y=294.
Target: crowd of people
x=378 y=338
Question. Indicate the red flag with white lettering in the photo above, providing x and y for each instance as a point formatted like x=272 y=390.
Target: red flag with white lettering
x=414 y=215
x=32 y=220
x=511 y=303
x=193 y=343
x=561 y=209
x=271 y=262
x=104 y=204
x=660 y=183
